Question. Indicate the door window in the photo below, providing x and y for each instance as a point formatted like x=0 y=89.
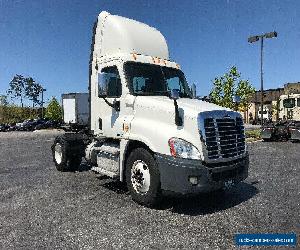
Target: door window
x=110 y=82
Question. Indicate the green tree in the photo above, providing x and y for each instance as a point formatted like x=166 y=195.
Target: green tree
x=3 y=108
x=54 y=110
x=33 y=90
x=227 y=86
x=276 y=109
x=3 y=100
x=17 y=88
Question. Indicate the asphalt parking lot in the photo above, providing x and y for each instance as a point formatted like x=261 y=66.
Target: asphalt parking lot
x=43 y=208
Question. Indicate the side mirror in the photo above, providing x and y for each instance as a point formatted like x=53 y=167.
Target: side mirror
x=236 y=99
x=103 y=80
x=174 y=94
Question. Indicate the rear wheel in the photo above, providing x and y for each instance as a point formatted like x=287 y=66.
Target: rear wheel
x=63 y=157
x=142 y=177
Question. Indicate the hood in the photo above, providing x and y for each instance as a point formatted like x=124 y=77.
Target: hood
x=198 y=106
x=190 y=107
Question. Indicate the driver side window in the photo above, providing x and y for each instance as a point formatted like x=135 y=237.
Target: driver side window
x=110 y=82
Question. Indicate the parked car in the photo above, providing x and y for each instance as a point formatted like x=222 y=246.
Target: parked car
x=25 y=125
x=294 y=130
x=276 y=131
x=37 y=122
x=12 y=127
x=258 y=121
x=30 y=124
x=4 y=127
x=17 y=126
x=47 y=124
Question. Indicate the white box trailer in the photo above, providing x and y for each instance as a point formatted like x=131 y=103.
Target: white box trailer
x=76 y=108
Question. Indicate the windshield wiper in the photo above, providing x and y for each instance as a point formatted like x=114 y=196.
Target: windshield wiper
x=166 y=93
x=162 y=92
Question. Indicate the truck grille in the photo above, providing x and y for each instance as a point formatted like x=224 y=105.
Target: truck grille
x=224 y=137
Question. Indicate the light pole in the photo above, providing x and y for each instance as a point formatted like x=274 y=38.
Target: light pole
x=253 y=39
x=43 y=102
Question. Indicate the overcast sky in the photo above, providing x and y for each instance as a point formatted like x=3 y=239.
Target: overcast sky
x=50 y=39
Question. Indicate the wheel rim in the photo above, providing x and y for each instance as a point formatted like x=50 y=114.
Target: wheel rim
x=140 y=177
x=58 y=153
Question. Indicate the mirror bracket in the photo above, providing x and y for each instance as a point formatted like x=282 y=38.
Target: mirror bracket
x=174 y=95
x=115 y=105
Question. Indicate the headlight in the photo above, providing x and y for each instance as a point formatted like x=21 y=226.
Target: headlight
x=183 y=149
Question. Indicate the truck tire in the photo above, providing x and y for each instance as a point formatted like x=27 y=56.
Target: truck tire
x=143 y=178
x=63 y=158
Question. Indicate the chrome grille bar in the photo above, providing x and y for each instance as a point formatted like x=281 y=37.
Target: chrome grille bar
x=224 y=137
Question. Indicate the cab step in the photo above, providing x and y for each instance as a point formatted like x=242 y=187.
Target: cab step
x=102 y=171
x=108 y=159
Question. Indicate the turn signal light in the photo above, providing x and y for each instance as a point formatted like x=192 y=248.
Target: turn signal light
x=134 y=56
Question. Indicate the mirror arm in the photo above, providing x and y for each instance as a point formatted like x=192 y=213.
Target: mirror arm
x=178 y=119
x=115 y=105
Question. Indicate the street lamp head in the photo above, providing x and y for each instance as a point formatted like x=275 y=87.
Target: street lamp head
x=271 y=34
x=253 y=39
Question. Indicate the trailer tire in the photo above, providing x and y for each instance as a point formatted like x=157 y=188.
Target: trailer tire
x=143 y=178
x=62 y=156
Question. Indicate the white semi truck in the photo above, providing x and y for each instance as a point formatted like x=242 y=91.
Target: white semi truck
x=145 y=127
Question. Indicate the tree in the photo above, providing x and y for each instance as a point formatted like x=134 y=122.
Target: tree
x=227 y=86
x=276 y=109
x=3 y=107
x=17 y=88
x=33 y=90
x=245 y=90
x=3 y=100
x=54 y=110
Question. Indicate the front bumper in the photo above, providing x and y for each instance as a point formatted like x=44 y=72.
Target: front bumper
x=175 y=174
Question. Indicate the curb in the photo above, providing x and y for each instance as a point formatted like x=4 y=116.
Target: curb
x=258 y=140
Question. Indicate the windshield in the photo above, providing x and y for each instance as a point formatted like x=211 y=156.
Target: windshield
x=149 y=79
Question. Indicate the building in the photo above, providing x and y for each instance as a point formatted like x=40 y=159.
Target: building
x=292 y=88
x=271 y=102
x=289 y=107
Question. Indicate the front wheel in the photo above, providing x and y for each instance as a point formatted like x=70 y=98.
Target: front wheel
x=143 y=178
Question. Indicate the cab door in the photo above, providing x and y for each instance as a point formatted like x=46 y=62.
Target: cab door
x=109 y=94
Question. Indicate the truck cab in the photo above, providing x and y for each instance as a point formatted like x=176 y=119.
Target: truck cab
x=145 y=127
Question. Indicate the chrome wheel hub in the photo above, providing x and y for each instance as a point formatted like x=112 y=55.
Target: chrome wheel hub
x=140 y=177
x=58 y=153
